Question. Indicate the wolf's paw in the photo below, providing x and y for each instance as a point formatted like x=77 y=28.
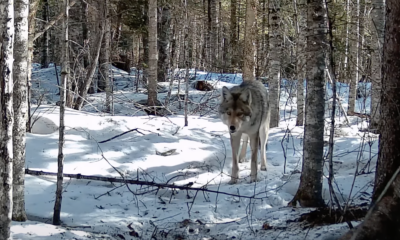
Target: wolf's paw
x=253 y=179
x=263 y=168
x=233 y=181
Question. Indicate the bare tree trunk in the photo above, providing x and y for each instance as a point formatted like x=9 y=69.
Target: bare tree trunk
x=20 y=71
x=33 y=7
x=354 y=57
x=46 y=36
x=104 y=64
x=188 y=59
x=163 y=43
x=153 y=54
x=174 y=38
x=233 y=38
x=383 y=219
x=264 y=39
x=309 y=193
x=213 y=23
x=145 y=40
x=301 y=30
x=85 y=31
x=275 y=45
x=250 y=36
x=83 y=90
x=378 y=27
x=63 y=98
x=6 y=117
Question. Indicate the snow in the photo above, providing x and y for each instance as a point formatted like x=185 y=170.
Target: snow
x=202 y=156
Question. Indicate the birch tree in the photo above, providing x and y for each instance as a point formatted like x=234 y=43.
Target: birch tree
x=6 y=116
x=275 y=46
x=309 y=193
x=153 y=54
x=382 y=220
x=378 y=27
x=63 y=98
x=20 y=74
x=250 y=40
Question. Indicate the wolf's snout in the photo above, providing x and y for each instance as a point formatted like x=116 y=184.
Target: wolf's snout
x=232 y=128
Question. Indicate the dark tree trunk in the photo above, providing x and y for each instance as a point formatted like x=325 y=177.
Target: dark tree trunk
x=309 y=193
x=233 y=38
x=164 y=28
x=383 y=221
x=85 y=31
x=46 y=36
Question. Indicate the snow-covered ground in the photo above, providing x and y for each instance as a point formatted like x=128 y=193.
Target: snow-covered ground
x=202 y=156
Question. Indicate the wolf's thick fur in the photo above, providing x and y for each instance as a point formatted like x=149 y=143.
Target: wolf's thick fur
x=245 y=110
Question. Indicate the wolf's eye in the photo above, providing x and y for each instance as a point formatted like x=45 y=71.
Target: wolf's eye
x=228 y=113
x=239 y=114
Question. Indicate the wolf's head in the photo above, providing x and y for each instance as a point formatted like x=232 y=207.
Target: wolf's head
x=234 y=108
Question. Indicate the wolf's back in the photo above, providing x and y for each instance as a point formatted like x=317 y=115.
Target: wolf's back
x=259 y=100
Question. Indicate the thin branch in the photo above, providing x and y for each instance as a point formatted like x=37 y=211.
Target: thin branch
x=52 y=22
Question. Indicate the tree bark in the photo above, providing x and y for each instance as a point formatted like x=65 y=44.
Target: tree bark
x=85 y=31
x=274 y=62
x=354 y=57
x=309 y=193
x=104 y=64
x=188 y=59
x=378 y=27
x=301 y=30
x=250 y=36
x=153 y=54
x=46 y=36
x=6 y=117
x=382 y=222
x=33 y=7
x=63 y=98
x=233 y=38
x=163 y=43
x=213 y=31
x=20 y=72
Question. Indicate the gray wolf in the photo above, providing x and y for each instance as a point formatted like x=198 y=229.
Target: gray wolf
x=245 y=110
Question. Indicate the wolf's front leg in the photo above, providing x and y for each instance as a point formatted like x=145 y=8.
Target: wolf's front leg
x=254 y=138
x=235 y=144
x=243 y=149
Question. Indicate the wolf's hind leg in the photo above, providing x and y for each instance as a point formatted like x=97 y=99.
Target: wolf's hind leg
x=263 y=144
x=235 y=144
x=254 y=138
x=243 y=150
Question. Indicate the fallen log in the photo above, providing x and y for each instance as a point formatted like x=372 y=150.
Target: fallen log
x=187 y=186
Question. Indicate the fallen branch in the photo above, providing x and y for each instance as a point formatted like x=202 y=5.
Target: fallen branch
x=136 y=182
x=119 y=135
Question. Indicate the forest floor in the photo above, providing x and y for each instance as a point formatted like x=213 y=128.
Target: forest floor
x=162 y=150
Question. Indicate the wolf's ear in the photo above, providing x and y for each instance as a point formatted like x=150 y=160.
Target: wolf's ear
x=226 y=94
x=245 y=96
